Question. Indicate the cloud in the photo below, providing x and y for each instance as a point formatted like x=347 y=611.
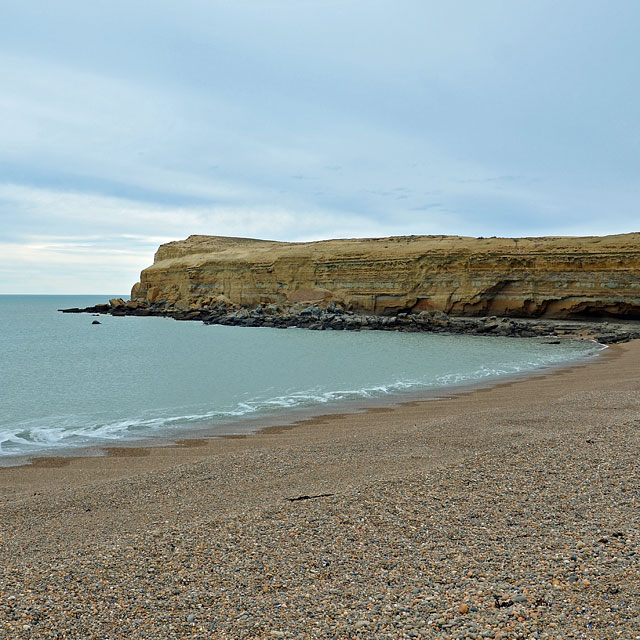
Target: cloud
x=130 y=231
x=21 y=207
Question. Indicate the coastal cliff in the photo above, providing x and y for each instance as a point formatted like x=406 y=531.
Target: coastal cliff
x=547 y=277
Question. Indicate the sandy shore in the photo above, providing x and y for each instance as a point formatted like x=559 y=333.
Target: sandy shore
x=510 y=512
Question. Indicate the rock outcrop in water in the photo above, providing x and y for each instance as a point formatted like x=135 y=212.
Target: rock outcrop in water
x=552 y=277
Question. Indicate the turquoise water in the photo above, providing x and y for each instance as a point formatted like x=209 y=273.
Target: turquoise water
x=66 y=383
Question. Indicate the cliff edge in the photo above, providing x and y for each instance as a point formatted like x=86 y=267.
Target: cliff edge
x=548 y=277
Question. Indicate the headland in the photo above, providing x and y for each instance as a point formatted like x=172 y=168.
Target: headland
x=495 y=286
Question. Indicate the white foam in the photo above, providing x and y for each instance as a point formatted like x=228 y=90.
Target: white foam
x=45 y=435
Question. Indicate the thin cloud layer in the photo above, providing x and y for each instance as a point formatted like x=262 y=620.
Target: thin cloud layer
x=127 y=124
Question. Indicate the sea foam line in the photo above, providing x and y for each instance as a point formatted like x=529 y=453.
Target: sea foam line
x=55 y=433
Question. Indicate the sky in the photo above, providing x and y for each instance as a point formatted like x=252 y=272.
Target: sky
x=124 y=125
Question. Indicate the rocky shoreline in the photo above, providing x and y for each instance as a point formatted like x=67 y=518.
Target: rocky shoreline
x=335 y=317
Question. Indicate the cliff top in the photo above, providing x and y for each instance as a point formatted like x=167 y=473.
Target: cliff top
x=198 y=247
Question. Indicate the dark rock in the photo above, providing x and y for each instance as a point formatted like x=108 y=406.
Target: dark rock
x=353 y=322
x=98 y=308
x=314 y=311
x=335 y=317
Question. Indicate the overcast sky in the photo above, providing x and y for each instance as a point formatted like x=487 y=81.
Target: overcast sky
x=124 y=124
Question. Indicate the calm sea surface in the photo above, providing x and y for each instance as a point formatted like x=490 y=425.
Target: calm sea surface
x=65 y=383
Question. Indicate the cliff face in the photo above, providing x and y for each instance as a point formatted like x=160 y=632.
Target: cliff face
x=554 y=277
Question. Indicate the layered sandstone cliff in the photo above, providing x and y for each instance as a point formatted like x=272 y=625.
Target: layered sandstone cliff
x=554 y=277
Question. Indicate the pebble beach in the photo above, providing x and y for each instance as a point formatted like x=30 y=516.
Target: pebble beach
x=508 y=512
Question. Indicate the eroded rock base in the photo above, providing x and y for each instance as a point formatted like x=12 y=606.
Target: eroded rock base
x=334 y=317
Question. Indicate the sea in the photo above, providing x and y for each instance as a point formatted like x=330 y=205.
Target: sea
x=68 y=385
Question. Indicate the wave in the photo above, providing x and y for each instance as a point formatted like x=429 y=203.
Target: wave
x=56 y=433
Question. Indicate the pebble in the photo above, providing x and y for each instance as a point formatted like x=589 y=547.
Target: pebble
x=480 y=545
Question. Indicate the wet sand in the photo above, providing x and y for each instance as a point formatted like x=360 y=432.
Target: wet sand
x=479 y=515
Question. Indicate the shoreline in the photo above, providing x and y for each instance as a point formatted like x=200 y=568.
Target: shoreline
x=247 y=426
x=198 y=442
x=505 y=512
x=606 y=330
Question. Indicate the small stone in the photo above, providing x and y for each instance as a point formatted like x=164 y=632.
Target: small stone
x=463 y=608
x=361 y=623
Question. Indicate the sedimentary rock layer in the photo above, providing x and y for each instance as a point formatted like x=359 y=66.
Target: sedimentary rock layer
x=553 y=277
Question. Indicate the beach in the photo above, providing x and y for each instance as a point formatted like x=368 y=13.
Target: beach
x=505 y=512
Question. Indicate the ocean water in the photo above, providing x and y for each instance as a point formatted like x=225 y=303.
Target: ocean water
x=66 y=383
